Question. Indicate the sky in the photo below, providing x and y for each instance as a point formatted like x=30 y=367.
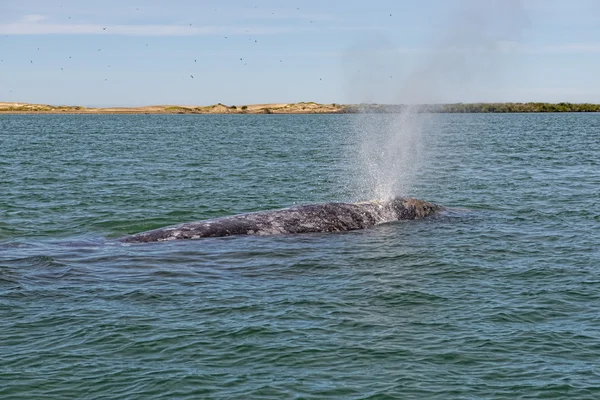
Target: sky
x=200 y=52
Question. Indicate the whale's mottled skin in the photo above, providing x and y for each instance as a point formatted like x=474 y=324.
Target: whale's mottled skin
x=326 y=217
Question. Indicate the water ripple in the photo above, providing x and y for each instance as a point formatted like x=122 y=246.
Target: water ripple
x=495 y=298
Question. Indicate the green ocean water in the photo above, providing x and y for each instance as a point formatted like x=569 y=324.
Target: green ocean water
x=499 y=298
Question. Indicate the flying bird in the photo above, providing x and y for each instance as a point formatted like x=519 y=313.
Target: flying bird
x=104 y=28
x=192 y=76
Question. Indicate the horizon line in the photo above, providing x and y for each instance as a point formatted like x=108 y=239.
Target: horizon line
x=5 y=103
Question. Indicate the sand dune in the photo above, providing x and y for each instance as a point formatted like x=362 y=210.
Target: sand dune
x=268 y=108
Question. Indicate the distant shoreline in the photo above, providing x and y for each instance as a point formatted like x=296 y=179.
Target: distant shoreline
x=269 y=108
x=301 y=108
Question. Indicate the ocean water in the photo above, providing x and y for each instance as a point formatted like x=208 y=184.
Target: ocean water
x=499 y=298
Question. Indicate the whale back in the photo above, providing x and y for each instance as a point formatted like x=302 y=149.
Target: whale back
x=325 y=217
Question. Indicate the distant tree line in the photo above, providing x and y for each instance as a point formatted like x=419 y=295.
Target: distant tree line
x=518 y=107
x=476 y=108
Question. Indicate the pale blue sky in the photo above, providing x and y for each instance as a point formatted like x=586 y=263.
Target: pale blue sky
x=242 y=52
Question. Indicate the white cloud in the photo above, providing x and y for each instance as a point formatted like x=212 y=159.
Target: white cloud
x=560 y=48
x=31 y=26
x=569 y=48
x=506 y=47
x=33 y=18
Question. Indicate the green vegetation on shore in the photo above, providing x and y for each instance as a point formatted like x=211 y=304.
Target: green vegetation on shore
x=479 y=108
x=518 y=107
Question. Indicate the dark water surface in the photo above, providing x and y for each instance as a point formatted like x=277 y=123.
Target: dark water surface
x=499 y=300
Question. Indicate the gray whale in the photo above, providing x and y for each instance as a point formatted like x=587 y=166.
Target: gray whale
x=325 y=217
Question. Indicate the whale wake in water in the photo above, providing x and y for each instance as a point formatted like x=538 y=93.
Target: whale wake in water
x=325 y=217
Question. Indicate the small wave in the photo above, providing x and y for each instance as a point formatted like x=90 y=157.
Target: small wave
x=34 y=262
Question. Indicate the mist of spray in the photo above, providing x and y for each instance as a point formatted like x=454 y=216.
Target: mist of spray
x=466 y=54
x=389 y=152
